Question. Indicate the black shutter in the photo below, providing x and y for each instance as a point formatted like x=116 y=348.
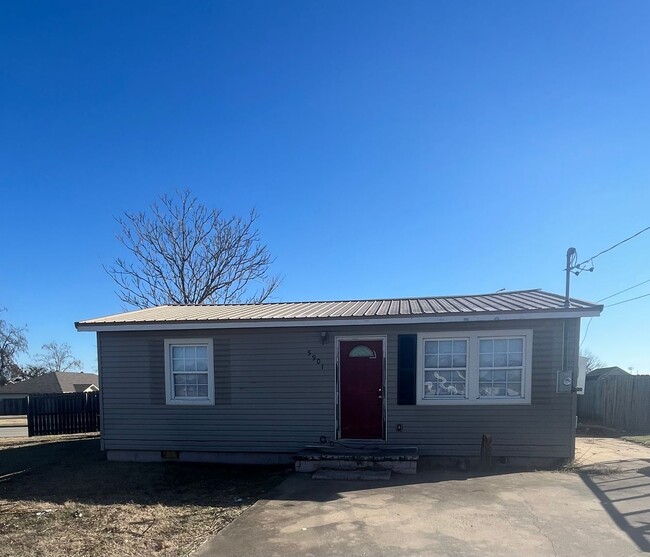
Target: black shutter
x=406 y=366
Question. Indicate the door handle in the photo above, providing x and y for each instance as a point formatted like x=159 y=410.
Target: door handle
x=380 y=395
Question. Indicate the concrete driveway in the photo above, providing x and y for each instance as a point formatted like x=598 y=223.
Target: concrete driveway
x=602 y=508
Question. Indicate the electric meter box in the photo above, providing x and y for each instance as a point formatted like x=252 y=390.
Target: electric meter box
x=564 y=381
x=582 y=375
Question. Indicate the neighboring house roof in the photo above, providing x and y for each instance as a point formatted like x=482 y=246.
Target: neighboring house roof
x=605 y=372
x=65 y=382
x=502 y=305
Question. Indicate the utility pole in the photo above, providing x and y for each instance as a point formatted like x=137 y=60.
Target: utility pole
x=570 y=254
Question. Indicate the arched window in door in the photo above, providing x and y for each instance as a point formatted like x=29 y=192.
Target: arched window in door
x=362 y=351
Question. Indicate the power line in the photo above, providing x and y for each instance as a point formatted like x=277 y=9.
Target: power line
x=628 y=300
x=612 y=247
x=621 y=292
x=586 y=331
x=584 y=337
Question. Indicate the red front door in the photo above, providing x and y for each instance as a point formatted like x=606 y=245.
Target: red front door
x=361 y=389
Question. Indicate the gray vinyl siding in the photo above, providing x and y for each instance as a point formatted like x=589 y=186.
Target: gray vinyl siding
x=271 y=396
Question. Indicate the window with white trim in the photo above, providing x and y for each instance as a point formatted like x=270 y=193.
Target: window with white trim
x=445 y=368
x=501 y=367
x=477 y=367
x=189 y=371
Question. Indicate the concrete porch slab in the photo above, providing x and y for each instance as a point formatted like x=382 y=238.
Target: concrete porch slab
x=363 y=475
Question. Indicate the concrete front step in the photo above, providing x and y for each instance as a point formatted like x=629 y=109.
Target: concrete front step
x=403 y=460
x=366 y=475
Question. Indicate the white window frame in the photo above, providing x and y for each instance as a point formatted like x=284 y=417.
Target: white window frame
x=169 y=386
x=472 y=395
x=448 y=398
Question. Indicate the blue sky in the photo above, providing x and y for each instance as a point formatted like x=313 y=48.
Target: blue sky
x=391 y=148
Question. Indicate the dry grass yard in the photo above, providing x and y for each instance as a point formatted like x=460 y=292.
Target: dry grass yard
x=60 y=497
x=640 y=439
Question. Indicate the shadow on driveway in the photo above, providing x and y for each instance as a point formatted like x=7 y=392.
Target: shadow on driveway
x=625 y=495
x=432 y=513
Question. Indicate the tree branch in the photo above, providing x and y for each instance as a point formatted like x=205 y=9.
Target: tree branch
x=181 y=252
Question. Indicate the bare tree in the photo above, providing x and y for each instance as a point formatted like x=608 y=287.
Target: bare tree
x=56 y=357
x=13 y=372
x=182 y=252
x=593 y=361
x=12 y=342
x=31 y=370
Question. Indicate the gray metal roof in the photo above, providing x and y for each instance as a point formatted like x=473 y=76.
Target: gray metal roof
x=500 y=303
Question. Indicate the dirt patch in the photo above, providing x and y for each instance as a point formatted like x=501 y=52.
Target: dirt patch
x=62 y=498
x=602 y=456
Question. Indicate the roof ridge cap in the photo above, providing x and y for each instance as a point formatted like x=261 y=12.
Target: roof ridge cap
x=405 y=298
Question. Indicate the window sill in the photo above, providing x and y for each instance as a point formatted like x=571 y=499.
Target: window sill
x=190 y=402
x=475 y=402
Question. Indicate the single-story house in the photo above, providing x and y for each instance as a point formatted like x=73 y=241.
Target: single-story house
x=51 y=383
x=257 y=383
x=603 y=372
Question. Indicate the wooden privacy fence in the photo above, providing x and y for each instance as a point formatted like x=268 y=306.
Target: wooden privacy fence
x=619 y=402
x=63 y=413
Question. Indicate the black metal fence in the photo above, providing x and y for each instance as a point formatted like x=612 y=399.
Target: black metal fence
x=56 y=414
x=13 y=407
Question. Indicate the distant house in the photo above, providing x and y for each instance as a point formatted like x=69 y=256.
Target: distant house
x=602 y=372
x=51 y=383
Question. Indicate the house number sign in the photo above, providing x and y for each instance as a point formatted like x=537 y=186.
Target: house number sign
x=315 y=359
